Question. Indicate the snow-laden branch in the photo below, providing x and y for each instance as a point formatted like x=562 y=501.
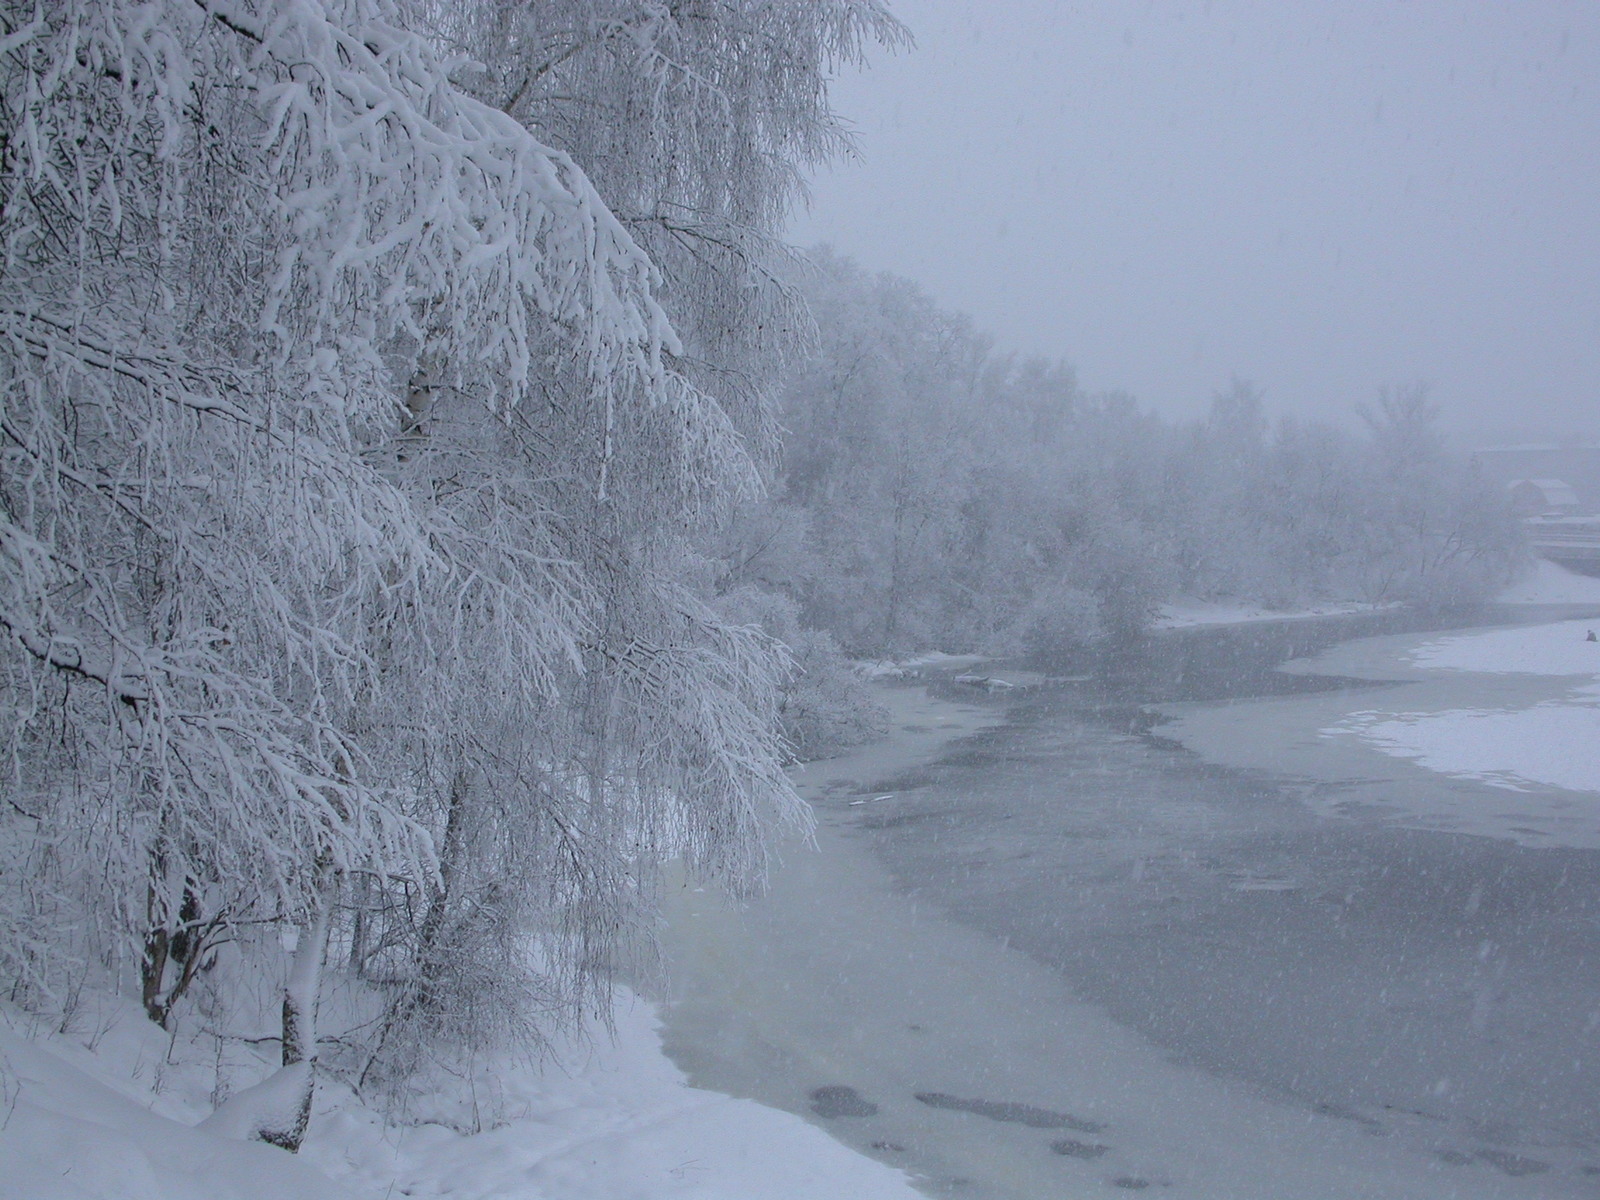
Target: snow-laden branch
x=229 y=232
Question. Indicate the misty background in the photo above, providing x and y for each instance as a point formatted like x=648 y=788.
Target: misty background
x=1321 y=199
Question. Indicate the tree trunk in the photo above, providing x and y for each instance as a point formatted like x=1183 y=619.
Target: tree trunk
x=300 y=1013
x=185 y=943
x=431 y=952
x=153 y=974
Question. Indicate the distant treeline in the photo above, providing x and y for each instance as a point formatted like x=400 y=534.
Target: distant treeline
x=936 y=493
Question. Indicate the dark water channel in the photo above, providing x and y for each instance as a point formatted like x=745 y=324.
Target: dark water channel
x=1439 y=987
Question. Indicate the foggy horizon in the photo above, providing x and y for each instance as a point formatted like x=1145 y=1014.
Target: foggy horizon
x=1322 y=202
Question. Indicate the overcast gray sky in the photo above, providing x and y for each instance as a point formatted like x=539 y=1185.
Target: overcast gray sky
x=1323 y=198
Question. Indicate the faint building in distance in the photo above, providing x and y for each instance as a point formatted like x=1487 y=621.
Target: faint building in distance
x=1544 y=498
x=1556 y=492
x=1575 y=468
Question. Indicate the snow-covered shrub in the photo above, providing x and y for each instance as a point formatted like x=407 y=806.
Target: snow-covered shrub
x=826 y=706
x=1062 y=625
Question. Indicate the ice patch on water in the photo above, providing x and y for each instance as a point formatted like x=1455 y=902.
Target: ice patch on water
x=1551 y=744
x=1559 y=648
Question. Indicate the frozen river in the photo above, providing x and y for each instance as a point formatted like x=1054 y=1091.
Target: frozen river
x=1072 y=955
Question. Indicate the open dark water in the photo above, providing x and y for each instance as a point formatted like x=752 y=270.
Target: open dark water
x=1439 y=987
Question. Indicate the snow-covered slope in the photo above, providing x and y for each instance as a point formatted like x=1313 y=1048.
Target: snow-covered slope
x=71 y=1135
x=613 y=1121
x=1550 y=584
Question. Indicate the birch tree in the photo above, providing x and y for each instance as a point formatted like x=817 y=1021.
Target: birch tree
x=695 y=123
x=349 y=455
x=698 y=121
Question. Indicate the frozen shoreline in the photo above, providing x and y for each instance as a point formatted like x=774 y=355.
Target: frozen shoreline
x=107 y=1112
x=1549 y=743
x=1545 y=584
x=1189 y=614
x=839 y=980
x=1486 y=732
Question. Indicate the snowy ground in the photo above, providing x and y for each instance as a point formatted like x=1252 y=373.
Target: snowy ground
x=90 y=1124
x=619 y=1123
x=1185 y=614
x=1550 y=742
x=99 y=1113
x=107 y=1109
x=1550 y=584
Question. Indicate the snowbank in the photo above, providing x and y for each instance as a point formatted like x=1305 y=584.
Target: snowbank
x=72 y=1134
x=1185 y=614
x=903 y=668
x=1545 y=584
x=1550 y=584
x=619 y=1122
x=1553 y=743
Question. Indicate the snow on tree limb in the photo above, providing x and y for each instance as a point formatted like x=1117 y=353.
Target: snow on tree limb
x=349 y=472
x=222 y=222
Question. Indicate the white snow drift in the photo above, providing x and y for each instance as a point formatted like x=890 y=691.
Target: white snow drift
x=1554 y=743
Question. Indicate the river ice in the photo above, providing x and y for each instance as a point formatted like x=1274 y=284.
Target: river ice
x=1275 y=964
x=1553 y=741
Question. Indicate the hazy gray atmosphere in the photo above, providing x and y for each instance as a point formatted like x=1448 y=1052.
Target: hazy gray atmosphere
x=533 y=668
x=1320 y=198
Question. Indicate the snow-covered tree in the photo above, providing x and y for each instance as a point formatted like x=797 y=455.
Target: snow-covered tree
x=697 y=121
x=350 y=460
x=694 y=123
x=937 y=494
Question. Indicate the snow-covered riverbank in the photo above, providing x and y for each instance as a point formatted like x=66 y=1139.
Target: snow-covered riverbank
x=1489 y=732
x=1187 y=614
x=1554 y=742
x=105 y=1112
